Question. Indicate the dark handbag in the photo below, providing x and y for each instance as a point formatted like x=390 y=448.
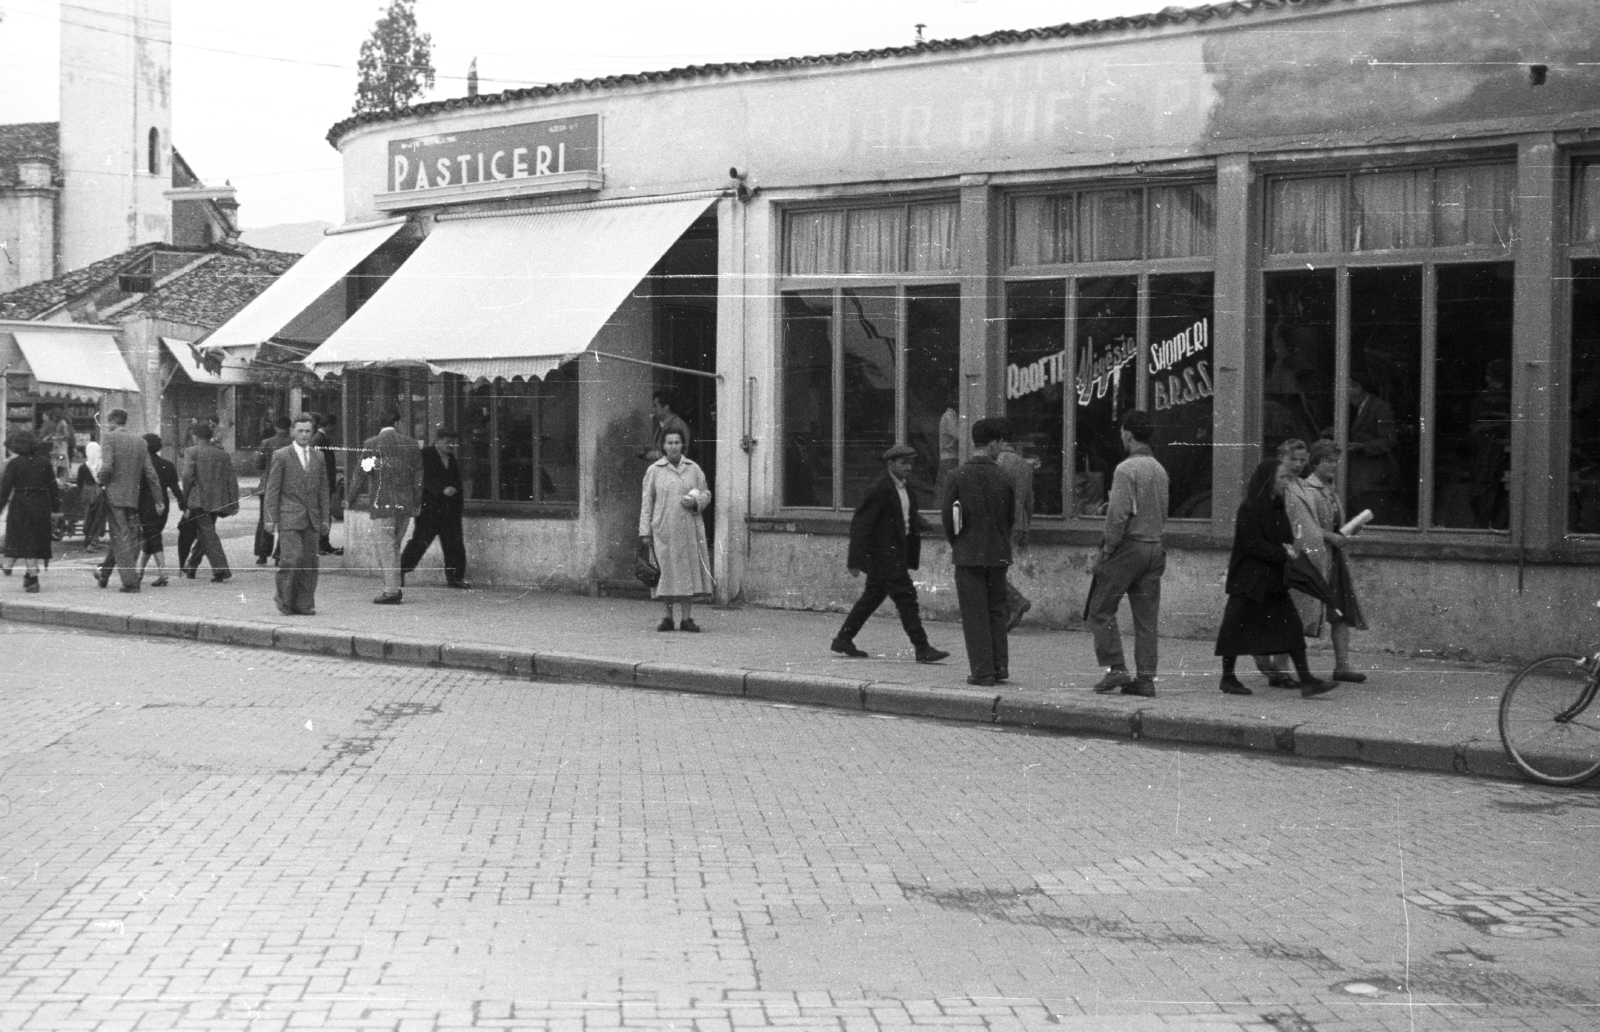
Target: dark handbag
x=645 y=568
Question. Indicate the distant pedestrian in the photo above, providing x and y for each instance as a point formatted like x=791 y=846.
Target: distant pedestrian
x=295 y=504
x=124 y=465
x=1316 y=514
x=91 y=499
x=57 y=439
x=1020 y=472
x=389 y=476
x=977 y=510
x=153 y=511
x=949 y=445
x=265 y=546
x=672 y=526
x=1261 y=617
x=325 y=440
x=886 y=543
x=667 y=421
x=29 y=495
x=1130 y=562
x=188 y=532
x=210 y=491
x=440 y=512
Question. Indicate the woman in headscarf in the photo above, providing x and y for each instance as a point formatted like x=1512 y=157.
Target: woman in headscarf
x=670 y=523
x=29 y=495
x=90 y=497
x=1261 y=617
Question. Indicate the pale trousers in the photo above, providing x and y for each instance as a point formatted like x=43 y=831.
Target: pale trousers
x=388 y=536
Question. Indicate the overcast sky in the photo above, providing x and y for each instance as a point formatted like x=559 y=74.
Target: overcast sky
x=257 y=83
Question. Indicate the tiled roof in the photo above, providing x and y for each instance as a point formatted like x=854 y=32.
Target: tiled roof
x=205 y=295
x=24 y=140
x=1164 y=17
x=209 y=294
x=35 y=299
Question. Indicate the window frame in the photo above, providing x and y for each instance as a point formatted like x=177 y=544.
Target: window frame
x=456 y=390
x=1576 y=250
x=790 y=280
x=1142 y=269
x=1428 y=258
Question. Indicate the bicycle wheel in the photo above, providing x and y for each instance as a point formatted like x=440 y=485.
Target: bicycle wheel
x=1538 y=728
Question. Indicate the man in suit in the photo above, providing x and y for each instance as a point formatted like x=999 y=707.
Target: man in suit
x=124 y=463
x=440 y=515
x=886 y=542
x=389 y=476
x=295 y=507
x=265 y=546
x=210 y=489
x=978 y=508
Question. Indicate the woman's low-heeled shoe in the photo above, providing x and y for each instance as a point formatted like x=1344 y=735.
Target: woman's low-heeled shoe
x=666 y=624
x=1350 y=676
x=1233 y=686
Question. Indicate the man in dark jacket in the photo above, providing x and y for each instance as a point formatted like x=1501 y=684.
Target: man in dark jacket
x=440 y=514
x=978 y=508
x=886 y=542
x=210 y=490
x=124 y=464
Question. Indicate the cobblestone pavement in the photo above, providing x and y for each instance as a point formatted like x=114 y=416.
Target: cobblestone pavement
x=202 y=837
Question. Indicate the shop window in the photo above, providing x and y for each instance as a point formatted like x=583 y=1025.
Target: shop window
x=519 y=439
x=1114 y=225
x=1036 y=379
x=1393 y=210
x=1583 y=472
x=872 y=241
x=1472 y=397
x=401 y=387
x=863 y=369
x=1179 y=399
x=1586 y=203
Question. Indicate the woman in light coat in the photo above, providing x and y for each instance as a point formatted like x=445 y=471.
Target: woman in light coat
x=1316 y=515
x=671 y=523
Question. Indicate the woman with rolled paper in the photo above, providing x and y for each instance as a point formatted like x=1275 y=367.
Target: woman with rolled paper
x=1317 y=516
x=1261 y=618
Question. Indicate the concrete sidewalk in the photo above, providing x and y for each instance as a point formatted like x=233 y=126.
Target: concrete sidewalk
x=1410 y=713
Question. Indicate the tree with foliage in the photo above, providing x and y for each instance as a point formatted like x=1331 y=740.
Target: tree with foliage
x=396 y=63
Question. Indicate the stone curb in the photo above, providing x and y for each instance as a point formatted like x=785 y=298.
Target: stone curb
x=1475 y=757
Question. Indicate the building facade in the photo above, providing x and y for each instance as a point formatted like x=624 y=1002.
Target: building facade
x=1257 y=221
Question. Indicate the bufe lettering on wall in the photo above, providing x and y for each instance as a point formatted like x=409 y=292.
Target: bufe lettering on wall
x=1178 y=376
x=524 y=151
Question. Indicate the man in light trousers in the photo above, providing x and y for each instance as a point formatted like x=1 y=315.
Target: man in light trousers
x=1131 y=562
x=389 y=475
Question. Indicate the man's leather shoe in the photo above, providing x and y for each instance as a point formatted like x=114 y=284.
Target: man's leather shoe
x=1233 y=686
x=1017 y=614
x=1282 y=681
x=221 y=578
x=1113 y=680
x=929 y=654
x=261 y=560
x=1002 y=675
x=1310 y=686
x=666 y=624
x=388 y=598
x=1141 y=686
x=460 y=585
x=285 y=610
x=305 y=612
x=331 y=551
x=981 y=682
x=188 y=571
x=846 y=647
x=1350 y=676
x=129 y=589
x=102 y=576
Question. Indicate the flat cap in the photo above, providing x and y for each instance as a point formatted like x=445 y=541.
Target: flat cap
x=900 y=451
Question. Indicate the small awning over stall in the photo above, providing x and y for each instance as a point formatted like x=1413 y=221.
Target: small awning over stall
x=509 y=296
x=296 y=290
x=234 y=370
x=66 y=360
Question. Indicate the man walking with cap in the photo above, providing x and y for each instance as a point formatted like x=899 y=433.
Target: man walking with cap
x=1130 y=562
x=440 y=514
x=886 y=542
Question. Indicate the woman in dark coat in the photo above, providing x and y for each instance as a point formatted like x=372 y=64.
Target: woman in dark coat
x=28 y=494
x=153 y=511
x=1261 y=618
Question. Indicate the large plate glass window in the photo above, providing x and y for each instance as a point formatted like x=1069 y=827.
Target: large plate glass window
x=1388 y=303
x=519 y=439
x=1122 y=321
x=1583 y=470
x=871 y=346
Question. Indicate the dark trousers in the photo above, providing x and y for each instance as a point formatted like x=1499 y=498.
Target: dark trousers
x=1135 y=570
x=188 y=532
x=264 y=542
x=126 y=541
x=207 y=543
x=447 y=528
x=903 y=592
x=981 y=593
x=297 y=570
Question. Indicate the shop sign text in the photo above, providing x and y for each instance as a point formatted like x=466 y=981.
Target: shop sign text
x=525 y=151
x=1177 y=376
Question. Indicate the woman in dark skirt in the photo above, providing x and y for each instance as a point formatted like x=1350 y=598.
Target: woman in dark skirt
x=1261 y=618
x=153 y=511
x=28 y=494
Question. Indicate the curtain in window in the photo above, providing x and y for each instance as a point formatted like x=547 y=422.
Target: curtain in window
x=1304 y=215
x=876 y=240
x=1182 y=221
x=816 y=243
x=1391 y=210
x=1110 y=221
x=933 y=237
x=1586 y=206
x=1473 y=205
x=1041 y=230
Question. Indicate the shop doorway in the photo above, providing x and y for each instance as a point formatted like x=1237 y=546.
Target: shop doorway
x=685 y=292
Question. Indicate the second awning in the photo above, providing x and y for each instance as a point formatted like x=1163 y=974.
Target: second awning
x=510 y=296
x=73 y=361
